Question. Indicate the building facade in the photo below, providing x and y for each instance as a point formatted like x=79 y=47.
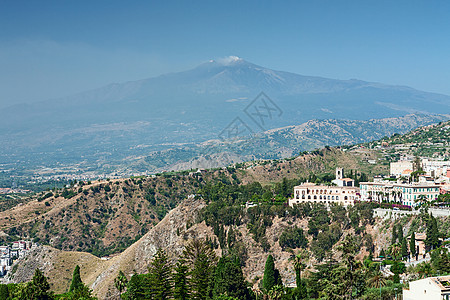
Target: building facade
x=399 y=168
x=323 y=194
x=431 y=288
x=405 y=193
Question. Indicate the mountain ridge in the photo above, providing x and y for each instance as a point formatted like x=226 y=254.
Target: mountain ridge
x=190 y=107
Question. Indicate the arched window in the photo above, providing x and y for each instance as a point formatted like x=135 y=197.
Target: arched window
x=315 y=197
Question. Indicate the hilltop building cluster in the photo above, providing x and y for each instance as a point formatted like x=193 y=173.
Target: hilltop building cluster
x=411 y=182
x=9 y=253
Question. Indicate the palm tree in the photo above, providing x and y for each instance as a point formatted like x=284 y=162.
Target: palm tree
x=424 y=269
x=421 y=199
x=299 y=264
x=276 y=292
x=376 y=279
x=396 y=250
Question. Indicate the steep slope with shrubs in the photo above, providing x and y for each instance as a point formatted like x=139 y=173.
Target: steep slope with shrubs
x=106 y=217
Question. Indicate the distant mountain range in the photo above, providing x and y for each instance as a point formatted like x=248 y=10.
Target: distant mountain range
x=278 y=143
x=132 y=119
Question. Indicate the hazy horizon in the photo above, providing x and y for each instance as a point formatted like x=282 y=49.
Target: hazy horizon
x=54 y=49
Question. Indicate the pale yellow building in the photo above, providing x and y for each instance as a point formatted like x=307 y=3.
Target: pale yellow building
x=324 y=194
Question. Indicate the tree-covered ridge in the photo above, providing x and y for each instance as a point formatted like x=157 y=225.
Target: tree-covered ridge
x=431 y=140
x=253 y=208
x=101 y=218
x=107 y=216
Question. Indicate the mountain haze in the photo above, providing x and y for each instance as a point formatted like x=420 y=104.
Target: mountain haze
x=135 y=118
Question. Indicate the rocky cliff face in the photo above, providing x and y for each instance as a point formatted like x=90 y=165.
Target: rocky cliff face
x=170 y=234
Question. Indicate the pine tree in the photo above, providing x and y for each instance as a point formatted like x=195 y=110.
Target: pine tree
x=269 y=279
x=135 y=288
x=160 y=275
x=39 y=287
x=76 y=280
x=181 y=291
x=229 y=280
x=4 y=292
x=201 y=260
x=412 y=244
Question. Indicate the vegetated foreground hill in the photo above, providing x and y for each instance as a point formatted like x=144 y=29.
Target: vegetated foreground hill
x=250 y=233
x=134 y=118
x=279 y=143
x=431 y=140
x=106 y=217
x=218 y=216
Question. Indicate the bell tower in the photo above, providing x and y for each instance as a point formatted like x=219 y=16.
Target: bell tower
x=339 y=173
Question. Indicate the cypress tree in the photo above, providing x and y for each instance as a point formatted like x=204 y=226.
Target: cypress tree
x=394 y=235
x=432 y=240
x=269 y=279
x=400 y=232
x=404 y=248
x=76 y=280
x=180 y=291
x=412 y=244
x=231 y=239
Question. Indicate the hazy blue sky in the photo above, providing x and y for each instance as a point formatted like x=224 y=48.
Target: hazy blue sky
x=55 y=48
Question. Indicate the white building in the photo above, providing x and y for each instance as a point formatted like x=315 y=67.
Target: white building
x=399 y=168
x=431 y=288
x=435 y=168
x=404 y=193
x=323 y=194
x=4 y=251
x=340 y=180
